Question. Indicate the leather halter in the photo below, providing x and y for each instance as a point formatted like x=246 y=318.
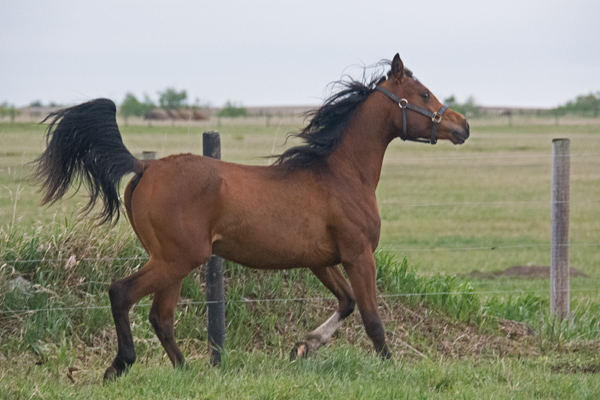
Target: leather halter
x=436 y=117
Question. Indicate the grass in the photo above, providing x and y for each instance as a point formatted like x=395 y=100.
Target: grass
x=449 y=343
x=338 y=373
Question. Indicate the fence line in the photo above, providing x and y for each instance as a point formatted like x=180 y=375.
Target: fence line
x=260 y=158
x=381 y=204
x=515 y=246
x=383 y=247
x=294 y=299
x=487 y=157
x=77 y=259
x=478 y=203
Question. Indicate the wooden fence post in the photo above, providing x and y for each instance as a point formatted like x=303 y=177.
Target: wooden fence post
x=559 y=264
x=215 y=294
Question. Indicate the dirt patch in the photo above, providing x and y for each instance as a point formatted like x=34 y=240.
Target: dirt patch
x=514 y=329
x=522 y=271
x=568 y=368
x=414 y=332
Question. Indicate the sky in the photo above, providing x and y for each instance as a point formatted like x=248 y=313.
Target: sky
x=258 y=53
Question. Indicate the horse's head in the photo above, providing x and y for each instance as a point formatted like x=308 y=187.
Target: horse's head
x=418 y=115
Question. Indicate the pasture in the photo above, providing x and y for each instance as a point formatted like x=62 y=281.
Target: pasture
x=447 y=211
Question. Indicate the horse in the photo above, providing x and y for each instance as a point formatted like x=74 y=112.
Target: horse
x=314 y=207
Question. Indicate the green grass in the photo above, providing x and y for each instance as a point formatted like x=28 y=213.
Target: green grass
x=433 y=199
x=337 y=373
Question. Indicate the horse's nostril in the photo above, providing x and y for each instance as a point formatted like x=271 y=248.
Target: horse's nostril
x=467 y=129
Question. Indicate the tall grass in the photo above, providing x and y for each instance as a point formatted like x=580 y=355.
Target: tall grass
x=461 y=301
x=445 y=293
x=70 y=264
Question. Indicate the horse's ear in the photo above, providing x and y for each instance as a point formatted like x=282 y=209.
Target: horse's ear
x=397 y=71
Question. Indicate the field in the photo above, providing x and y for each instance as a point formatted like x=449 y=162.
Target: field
x=454 y=218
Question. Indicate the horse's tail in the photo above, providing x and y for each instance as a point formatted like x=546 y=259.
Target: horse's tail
x=84 y=145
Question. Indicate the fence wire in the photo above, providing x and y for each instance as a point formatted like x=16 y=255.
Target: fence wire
x=11 y=170
x=383 y=247
x=293 y=299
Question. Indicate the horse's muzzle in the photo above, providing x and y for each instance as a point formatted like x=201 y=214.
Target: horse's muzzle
x=461 y=135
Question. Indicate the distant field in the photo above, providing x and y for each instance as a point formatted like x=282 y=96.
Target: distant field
x=492 y=192
x=449 y=210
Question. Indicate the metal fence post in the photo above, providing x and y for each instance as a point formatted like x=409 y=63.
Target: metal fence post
x=559 y=264
x=215 y=293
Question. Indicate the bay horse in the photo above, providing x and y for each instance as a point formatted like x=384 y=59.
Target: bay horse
x=314 y=207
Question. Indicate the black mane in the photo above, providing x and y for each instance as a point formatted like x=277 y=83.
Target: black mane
x=328 y=123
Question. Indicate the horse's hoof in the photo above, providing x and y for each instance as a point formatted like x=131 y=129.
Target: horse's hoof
x=182 y=367
x=111 y=374
x=300 y=350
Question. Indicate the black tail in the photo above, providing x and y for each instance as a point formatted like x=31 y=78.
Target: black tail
x=84 y=145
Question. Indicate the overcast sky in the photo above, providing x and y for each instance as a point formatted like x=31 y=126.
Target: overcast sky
x=520 y=53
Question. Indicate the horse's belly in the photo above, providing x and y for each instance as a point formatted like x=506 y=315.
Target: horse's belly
x=276 y=247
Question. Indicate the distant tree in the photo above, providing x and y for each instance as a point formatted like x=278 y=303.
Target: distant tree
x=468 y=108
x=451 y=102
x=3 y=109
x=10 y=110
x=587 y=105
x=231 y=110
x=36 y=104
x=131 y=106
x=171 y=99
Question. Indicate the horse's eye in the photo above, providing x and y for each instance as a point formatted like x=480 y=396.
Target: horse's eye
x=425 y=96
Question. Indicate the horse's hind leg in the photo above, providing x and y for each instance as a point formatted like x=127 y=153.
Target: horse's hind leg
x=334 y=280
x=155 y=276
x=162 y=318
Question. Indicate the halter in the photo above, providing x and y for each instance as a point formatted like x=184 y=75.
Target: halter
x=436 y=117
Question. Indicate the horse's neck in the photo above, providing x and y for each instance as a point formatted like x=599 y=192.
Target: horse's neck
x=363 y=146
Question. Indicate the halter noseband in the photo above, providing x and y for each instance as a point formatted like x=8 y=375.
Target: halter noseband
x=436 y=117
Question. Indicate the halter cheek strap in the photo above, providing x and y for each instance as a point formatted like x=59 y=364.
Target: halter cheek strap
x=436 y=117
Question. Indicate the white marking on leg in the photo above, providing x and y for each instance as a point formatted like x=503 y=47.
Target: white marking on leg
x=324 y=332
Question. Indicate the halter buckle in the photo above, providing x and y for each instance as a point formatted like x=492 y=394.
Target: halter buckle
x=437 y=118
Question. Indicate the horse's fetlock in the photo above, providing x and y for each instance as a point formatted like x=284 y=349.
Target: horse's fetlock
x=128 y=358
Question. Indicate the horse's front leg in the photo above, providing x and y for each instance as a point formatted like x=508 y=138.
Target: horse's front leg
x=362 y=273
x=333 y=280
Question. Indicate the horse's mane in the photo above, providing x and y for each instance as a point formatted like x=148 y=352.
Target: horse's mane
x=328 y=123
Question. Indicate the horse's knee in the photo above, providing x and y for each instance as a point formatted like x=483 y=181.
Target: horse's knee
x=119 y=296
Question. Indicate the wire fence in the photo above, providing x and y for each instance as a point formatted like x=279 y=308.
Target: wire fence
x=386 y=248
x=16 y=212
x=386 y=203
x=17 y=170
x=294 y=299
